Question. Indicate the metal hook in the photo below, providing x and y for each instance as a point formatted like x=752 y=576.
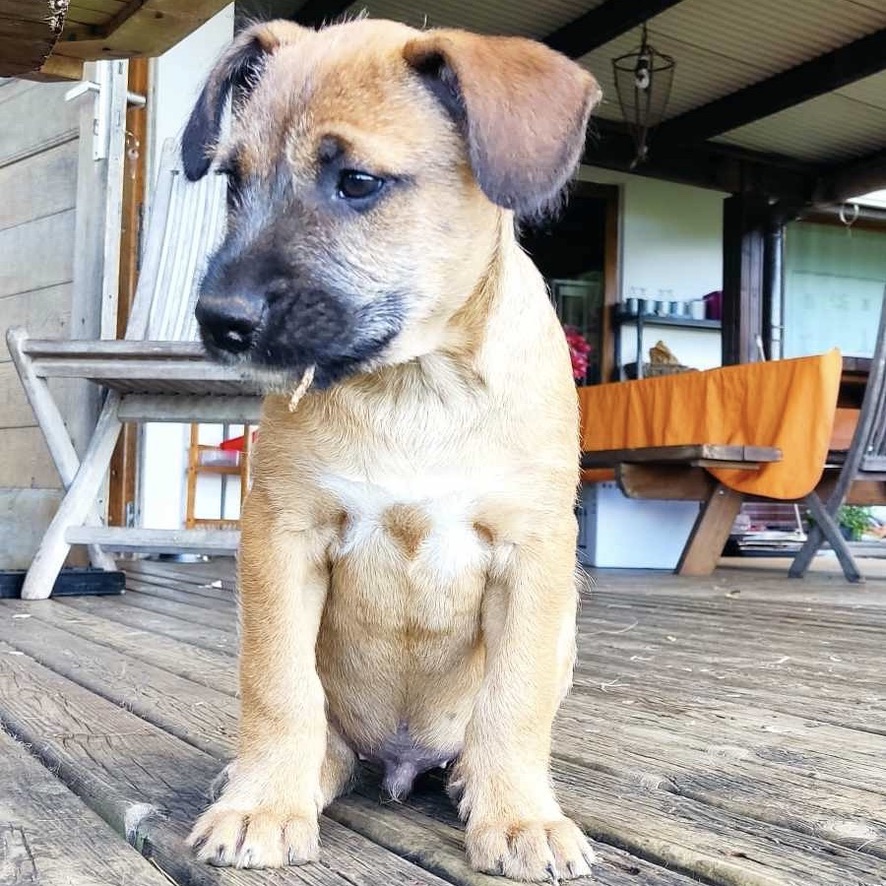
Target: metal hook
x=849 y=222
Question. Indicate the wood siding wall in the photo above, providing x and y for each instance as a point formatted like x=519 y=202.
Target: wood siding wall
x=39 y=148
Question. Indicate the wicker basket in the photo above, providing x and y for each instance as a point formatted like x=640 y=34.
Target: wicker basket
x=654 y=370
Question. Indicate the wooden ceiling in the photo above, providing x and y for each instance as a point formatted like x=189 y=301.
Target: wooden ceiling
x=787 y=99
x=87 y=30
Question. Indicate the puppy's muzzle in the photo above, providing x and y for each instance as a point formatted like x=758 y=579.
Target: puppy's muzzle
x=230 y=323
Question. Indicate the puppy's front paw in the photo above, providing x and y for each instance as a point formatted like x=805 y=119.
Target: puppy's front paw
x=263 y=838
x=531 y=850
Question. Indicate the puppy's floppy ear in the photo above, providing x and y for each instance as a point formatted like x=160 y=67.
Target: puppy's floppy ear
x=522 y=108
x=239 y=66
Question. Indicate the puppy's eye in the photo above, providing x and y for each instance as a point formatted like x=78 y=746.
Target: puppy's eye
x=354 y=185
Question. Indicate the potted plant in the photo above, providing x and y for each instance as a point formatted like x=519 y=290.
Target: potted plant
x=853 y=520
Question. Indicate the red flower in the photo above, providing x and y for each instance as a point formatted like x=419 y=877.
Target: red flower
x=578 y=352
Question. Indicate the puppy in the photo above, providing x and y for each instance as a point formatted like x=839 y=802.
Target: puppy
x=407 y=560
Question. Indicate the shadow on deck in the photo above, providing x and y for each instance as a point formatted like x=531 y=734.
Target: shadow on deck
x=728 y=730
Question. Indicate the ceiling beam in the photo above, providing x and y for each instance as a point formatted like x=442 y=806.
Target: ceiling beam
x=853 y=179
x=808 y=80
x=716 y=167
x=604 y=23
x=315 y=13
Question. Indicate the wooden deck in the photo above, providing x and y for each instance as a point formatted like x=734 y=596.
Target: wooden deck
x=728 y=730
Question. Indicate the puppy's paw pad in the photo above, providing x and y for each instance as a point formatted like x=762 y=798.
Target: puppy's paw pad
x=260 y=839
x=533 y=851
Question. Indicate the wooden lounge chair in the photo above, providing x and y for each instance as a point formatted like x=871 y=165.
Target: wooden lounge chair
x=158 y=373
x=865 y=460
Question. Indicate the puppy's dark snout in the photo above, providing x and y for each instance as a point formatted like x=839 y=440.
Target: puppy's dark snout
x=230 y=322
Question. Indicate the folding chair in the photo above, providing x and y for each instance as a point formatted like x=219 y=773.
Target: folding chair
x=865 y=460
x=158 y=373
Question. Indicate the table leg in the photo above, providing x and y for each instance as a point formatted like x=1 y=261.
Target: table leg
x=711 y=530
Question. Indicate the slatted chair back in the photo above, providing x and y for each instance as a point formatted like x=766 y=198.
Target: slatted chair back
x=866 y=460
x=186 y=222
x=867 y=454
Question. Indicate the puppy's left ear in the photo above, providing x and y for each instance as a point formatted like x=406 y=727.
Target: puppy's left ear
x=239 y=66
x=523 y=110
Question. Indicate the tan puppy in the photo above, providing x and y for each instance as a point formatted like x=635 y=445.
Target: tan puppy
x=407 y=564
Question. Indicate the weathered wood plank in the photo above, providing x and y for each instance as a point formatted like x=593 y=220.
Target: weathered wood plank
x=15 y=410
x=710 y=532
x=197 y=664
x=196 y=594
x=710 y=843
x=37 y=254
x=689 y=483
x=39 y=186
x=150 y=29
x=220 y=569
x=799 y=744
x=43 y=131
x=170 y=703
x=142 y=619
x=26 y=462
x=812 y=659
x=24 y=516
x=700 y=452
x=169 y=541
x=230 y=408
x=43 y=311
x=107 y=7
x=11 y=88
x=50 y=838
x=29 y=34
x=728 y=602
x=437 y=843
x=220 y=617
x=204 y=600
x=685 y=759
x=149 y=785
x=196 y=714
x=114 y=349
x=665 y=482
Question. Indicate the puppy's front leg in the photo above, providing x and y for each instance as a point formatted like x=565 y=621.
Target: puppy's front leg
x=514 y=824
x=267 y=815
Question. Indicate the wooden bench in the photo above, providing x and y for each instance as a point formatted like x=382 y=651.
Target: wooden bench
x=677 y=473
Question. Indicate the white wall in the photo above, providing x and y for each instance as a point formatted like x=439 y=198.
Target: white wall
x=671 y=238
x=176 y=79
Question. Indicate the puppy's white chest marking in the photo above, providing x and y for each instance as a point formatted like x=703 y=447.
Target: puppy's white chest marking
x=425 y=523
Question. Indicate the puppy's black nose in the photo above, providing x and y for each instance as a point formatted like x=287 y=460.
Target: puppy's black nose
x=230 y=322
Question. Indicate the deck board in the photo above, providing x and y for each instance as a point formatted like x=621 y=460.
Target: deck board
x=48 y=837
x=149 y=785
x=727 y=730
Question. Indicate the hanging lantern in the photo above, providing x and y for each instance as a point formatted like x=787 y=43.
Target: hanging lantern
x=643 y=81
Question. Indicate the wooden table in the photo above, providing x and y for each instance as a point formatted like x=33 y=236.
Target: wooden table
x=720 y=437
x=680 y=473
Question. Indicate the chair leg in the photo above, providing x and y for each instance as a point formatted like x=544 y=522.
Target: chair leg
x=825 y=528
x=76 y=504
x=54 y=431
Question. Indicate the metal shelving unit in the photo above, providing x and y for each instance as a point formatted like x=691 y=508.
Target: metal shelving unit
x=621 y=318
